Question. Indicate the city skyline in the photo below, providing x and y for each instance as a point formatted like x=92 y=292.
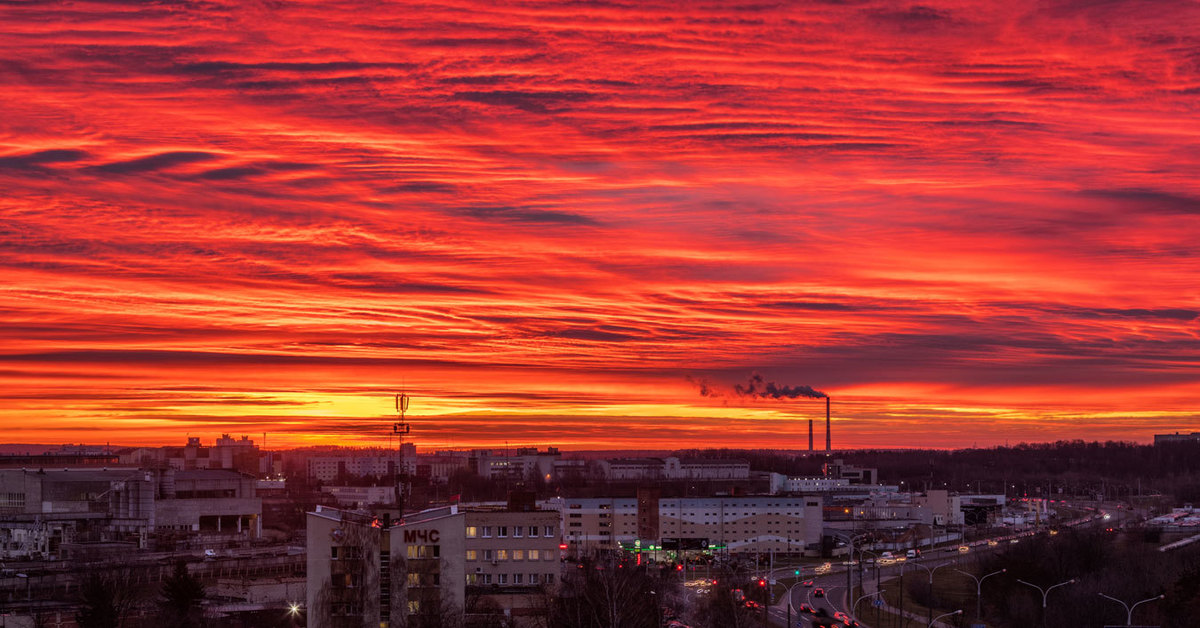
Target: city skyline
x=587 y=226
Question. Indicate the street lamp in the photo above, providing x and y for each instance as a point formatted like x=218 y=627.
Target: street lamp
x=1046 y=592
x=854 y=607
x=979 y=588
x=930 y=570
x=1129 y=609
x=850 y=568
x=931 y=622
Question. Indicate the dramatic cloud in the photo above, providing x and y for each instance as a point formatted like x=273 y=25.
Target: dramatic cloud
x=968 y=222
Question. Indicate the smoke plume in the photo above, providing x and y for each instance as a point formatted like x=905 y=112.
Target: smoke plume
x=758 y=388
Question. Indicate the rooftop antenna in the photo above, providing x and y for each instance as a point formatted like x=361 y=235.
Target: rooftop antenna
x=400 y=428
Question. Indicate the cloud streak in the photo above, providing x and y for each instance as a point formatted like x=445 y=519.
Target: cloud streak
x=573 y=208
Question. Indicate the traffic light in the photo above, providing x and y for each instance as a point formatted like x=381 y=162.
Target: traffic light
x=797 y=572
x=762 y=582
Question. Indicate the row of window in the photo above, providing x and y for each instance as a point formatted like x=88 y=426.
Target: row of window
x=517 y=531
x=505 y=579
x=504 y=554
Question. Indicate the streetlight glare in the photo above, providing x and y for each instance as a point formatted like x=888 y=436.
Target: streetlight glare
x=293 y=608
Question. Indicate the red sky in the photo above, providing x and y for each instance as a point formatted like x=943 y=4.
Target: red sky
x=969 y=223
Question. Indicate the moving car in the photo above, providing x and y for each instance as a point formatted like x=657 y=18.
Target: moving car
x=808 y=584
x=818 y=592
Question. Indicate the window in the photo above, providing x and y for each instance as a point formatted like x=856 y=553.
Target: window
x=502 y=531
x=414 y=579
x=517 y=578
x=516 y=532
x=472 y=554
x=472 y=578
x=424 y=551
x=487 y=554
x=472 y=531
x=549 y=531
x=549 y=578
x=576 y=524
x=533 y=555
x=502 y=578
x=518 y=554
x=532 y=531
x=501 y=554
x=414 y=607
x=333 y=552
x=533 y=578
x=487 y=532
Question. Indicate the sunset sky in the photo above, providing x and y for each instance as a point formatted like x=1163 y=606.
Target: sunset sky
x=584 y=223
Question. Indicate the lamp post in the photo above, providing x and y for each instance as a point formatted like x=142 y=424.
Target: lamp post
x=931 y=622
x=854 y=607
x=930 y=570
x=1045 y=592
x=850 y=568
x=1128 y=608
x=979 y=588
x=789 y=596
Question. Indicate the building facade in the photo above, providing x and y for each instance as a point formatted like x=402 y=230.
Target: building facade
x=732 y=524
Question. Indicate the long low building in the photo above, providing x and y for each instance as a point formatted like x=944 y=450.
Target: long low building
x=763 y=523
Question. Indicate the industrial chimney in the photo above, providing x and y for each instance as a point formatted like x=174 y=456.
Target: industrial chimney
x=828 y=437
x=810 y=434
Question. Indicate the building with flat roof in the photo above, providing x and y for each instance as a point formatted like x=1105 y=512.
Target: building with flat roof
x=1177 y=437
x=761 y=523
x=441 y=562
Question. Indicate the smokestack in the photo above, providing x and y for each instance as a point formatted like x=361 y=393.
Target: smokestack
x=810 y=440
x=828 y=436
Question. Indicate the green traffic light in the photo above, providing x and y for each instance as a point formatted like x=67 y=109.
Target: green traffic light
x=797 y=572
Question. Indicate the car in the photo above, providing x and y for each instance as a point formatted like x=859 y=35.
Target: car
x=993 y=543
x=808 y=584
x=963 y=549
x=752 y=604
x=818 y=592
x=805 y=608
x=210 y=554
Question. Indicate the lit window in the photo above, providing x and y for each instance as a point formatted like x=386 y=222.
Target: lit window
x=472 y=554
x=472 y=531
x=534 y=555
x=501 y=554
x=518 y=554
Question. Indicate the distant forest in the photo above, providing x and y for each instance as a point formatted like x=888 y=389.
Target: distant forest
x=1118 y=469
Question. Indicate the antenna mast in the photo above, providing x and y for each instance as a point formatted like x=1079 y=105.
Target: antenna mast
x=400 y=428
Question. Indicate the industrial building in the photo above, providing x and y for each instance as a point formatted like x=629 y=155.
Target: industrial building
x=59 y=513
x=673 y=468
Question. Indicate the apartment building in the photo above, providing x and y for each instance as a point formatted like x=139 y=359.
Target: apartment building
x=512 y=550
x=367 y=570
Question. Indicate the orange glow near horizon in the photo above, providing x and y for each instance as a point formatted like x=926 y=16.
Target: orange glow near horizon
x=970 y=224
